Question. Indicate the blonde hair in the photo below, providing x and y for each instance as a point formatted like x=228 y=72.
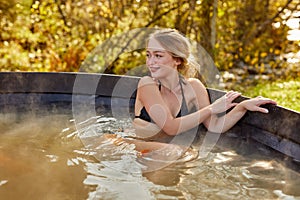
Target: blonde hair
x=177 y=45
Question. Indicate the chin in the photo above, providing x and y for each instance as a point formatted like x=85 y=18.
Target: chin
x=155 y=76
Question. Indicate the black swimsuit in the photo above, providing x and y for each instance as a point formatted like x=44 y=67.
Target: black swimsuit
x=182 y=139
x=183 y=109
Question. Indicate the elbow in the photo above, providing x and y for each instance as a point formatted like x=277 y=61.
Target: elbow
x=216 y=130
x=213 y=128
x=170 y=126
x=170 y=131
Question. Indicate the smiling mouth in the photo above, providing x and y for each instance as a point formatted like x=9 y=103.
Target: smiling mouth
x=153 y=69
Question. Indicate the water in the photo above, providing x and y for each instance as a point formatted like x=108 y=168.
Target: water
x=42 y=157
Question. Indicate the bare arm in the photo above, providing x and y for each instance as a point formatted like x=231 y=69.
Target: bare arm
x=225 y=122
x=151 y=98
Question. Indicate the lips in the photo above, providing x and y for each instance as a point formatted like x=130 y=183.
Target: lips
x=154 y=69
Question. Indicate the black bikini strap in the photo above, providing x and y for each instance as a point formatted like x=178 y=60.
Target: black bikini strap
x=181 y=87
x=184 y=108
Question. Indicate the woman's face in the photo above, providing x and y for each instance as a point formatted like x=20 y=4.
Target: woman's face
x=159 y=62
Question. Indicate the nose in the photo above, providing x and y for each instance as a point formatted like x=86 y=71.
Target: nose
x=151 y=60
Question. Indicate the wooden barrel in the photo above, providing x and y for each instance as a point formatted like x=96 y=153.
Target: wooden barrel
x=34 y=91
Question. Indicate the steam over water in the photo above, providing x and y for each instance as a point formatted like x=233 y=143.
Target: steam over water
x=42 y=157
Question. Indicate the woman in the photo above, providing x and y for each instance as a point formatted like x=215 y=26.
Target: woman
x=169 y=105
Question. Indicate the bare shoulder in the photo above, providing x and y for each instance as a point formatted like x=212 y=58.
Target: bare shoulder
x=196 y=84
x=146 y=80
x=202 y=97
x=147 y=90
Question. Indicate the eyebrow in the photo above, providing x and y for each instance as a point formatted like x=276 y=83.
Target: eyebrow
x=157 y=51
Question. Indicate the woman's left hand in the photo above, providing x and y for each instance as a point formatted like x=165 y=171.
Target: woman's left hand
x=255 y=103
x=225 y=102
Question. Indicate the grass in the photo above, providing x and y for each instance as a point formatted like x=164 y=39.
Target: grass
x=285 y=93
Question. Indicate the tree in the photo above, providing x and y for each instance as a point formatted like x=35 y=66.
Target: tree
x=57 y=35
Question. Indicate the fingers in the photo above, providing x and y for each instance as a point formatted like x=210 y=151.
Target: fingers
x=258 y=101
x=263 y=100
x=234 y=104
x=225 y=102
x=263 y=110
x=231 y=95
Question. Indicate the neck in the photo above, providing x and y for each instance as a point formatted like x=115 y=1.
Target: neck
x=170 y=82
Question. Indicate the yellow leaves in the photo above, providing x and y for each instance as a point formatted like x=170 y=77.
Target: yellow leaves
x=36 y=5
x=277 y=52
x=263 y=54
x=105 y=11
x=254 y=61
x=247 y=58
x=271 y=50
x=273 y=64
x=221 y=13
x=94 y=21
x=262 y=68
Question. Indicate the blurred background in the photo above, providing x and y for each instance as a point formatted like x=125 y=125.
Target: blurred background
x=253 y=43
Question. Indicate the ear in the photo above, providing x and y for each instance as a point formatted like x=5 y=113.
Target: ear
x=178 y=61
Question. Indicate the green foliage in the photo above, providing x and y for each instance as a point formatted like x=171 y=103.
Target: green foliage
x=58 y=35
x=285 y=93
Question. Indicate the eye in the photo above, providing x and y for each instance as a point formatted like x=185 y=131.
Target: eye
x=158 y=56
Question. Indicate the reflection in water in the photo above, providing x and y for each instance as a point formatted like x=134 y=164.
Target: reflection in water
x=221 y=175
x=114 y=184
x=43 y=158
x=33 y=159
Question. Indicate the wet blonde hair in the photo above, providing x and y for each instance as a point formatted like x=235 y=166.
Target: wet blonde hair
x=176 y=44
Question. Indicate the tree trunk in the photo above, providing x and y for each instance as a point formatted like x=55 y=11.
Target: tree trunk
x=213 y=26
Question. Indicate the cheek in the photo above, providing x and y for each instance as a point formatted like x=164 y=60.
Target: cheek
x=148 y=62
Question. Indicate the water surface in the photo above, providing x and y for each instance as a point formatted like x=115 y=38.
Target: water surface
x=42 y=157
